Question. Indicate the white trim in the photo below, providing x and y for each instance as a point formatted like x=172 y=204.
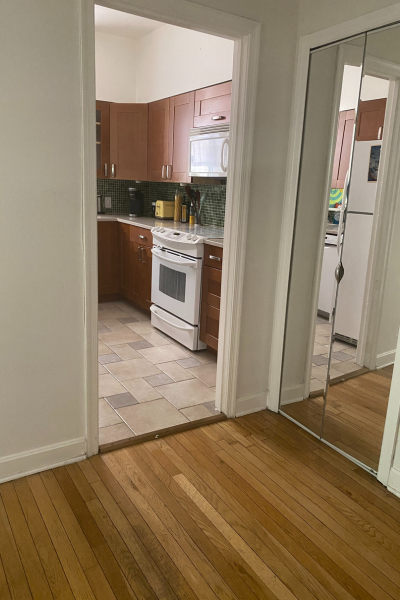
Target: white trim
x=359 y=25
x=48 y=457
x=385 y=359
x=251 y=403
x=246 y=34
x=294 y=393
x=393 y=484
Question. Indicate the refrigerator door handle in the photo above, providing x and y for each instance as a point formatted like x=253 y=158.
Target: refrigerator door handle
x=339 y=272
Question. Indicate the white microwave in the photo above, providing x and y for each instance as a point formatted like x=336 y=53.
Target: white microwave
x=209 y=151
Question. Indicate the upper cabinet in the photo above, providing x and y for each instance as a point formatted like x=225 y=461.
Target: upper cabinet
x=180 y=123
x=370 y=118
x=128 y=141
x=102 y=139
x=158 y=140
x=213 y=105
x=344 y=141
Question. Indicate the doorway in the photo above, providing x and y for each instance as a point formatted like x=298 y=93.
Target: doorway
x=245 y=35
x=339 y=341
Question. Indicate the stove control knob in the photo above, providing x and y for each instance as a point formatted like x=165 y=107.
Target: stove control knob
x=194 y=238
x=189 y=237
x=157 y=229
x=162 y=230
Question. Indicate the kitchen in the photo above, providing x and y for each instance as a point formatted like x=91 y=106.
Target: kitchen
x=161 y=169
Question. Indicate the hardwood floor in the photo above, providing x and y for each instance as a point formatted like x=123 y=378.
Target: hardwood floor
x=355 y=415
x=248 y=508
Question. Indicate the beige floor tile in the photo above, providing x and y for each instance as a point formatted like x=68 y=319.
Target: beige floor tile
x=121 y=336
x=175 y=371
x=155 y=338
x=205 y=357
x=187 y=393
x=151 y=416
x=113 y=313
x=109 y=386
x=334 y=372
x=160 y=354
x=107 y=415
x=126 y=352
x=193 y=413
x=206 y=373
x=102 y=370
x=105 y=305
x=112 y=324
x=347 y=366
x=114 y=433
x=316 y=384
x=132 y=311
x=103 y=349
x=142 y=390
x=338 y=346
x=132 y=369
x=319 y=349
x=141 y=327
x=324 y=329
x=321 y=339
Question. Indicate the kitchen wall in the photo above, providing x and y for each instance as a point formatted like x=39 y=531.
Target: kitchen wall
x=213 y=209
x=116 y=68
x=166 y=62
x=173 y=60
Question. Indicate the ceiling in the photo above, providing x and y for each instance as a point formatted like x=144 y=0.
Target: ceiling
x=123 y=24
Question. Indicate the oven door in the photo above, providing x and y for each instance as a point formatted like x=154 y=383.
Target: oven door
x=176 y=284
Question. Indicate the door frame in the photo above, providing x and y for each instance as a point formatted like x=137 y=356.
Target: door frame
x=246 y=36
x=352 y=27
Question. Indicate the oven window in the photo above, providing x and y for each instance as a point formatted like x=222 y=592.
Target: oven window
x=172 y=283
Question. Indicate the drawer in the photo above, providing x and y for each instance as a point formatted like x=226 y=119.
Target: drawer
x=213 y=256
x=213 y=105
x=141 y=235
x=211 y=287
x=209 y=325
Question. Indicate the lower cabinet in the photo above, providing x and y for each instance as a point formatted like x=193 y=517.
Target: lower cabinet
x=108 y=268
x=211 y=296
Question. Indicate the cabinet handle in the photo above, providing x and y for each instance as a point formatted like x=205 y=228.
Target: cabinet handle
x=163 y=172
x=143 y=261
x=168 y=168
x=143 y=237
x=105 y=169
x=112 y=170
x=214 y=257
x=218 y=118
x=379 y=133
x=139 y=253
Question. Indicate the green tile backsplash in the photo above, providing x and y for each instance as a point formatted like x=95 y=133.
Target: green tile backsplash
x=213 y=210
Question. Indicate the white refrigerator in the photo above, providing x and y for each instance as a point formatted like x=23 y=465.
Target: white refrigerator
x=357 y=242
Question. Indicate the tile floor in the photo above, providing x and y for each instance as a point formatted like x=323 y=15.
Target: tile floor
x=343 y=357
x=147 y=381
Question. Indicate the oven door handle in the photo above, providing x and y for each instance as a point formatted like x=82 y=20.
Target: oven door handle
x=185 y=328
x=176 y=262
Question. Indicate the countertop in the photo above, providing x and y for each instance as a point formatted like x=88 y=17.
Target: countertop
x=214 y=235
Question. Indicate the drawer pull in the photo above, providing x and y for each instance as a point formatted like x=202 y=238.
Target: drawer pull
x=218 y=118
x=142 y=237
x=214 y=257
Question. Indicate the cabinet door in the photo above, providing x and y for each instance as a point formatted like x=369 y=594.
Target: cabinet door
x=158 y=140
x=370 y=118
x=213 y=105
x=128 y=141
x=209 y=325
x=103 y=139
x=180 y=124
x=145 y=280
x=341 y=161
x=135 y=271
x=107 y=243
x=124 y=260
x=211 y=286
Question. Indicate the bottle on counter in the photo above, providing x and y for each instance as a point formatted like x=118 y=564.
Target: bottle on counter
x=184 y=213
x=192 y=216
x=178 y=206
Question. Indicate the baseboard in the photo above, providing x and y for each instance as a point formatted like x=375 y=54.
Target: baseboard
x=385 y=359
x=394 y=481
x=292 y=394
x=41 y=459
x=252 y=403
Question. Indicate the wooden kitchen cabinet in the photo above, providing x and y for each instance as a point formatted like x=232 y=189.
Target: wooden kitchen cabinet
x=180 y=123
x=370 y=119
x=128 y=141
x=145 y=277
x=158 y=140
x=344 y=141
x=102 y=139
x=125 y=274
x=213 y=105
x=107 y=243
x=140 y=263
x=211 y=295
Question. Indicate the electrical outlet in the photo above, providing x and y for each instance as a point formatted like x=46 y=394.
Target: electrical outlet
x=107 y=201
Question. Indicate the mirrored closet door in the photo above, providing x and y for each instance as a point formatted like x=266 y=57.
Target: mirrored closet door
x=335 y=381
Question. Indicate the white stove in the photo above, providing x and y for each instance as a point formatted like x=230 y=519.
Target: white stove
x=176 y=284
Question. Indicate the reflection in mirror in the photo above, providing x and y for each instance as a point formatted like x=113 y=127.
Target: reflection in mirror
x=332 y=97
x=367 y=312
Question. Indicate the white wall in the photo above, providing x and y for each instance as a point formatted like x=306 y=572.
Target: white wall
x=173 y=60
x=116 y=68
x=42 y=399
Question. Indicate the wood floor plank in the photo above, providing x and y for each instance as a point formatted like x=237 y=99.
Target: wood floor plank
x=36 y=577
x=252 y=508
